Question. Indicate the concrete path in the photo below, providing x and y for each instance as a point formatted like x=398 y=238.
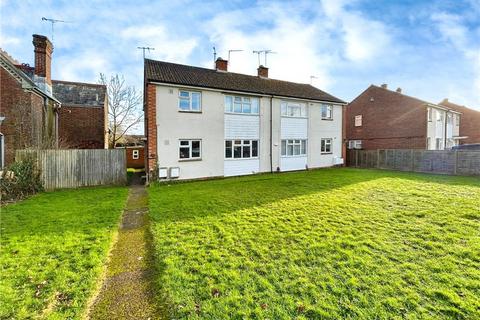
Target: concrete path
x=127 y=291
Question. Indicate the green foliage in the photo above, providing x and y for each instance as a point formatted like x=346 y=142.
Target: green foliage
x=324 y=244
x=54 y=245
x=24 y=181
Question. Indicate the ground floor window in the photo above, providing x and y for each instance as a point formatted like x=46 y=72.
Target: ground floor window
x=294 y=147
x=326 y=145
x=355 y=144
x=439 y=144
x=241 y=149
x=190 y=149
x=135 y=154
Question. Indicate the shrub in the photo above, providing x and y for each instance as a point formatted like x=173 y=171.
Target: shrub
x=21 y=179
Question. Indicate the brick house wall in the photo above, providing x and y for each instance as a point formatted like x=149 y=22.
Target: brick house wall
x=390 y=120
x=135 y=163
x=81 y=127
x=151 y=127
x=24 y=116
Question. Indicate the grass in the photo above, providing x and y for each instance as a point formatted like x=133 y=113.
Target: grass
x=53 y=248
x=333 y=243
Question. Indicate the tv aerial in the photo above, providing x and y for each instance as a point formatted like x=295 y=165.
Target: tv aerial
x=53 y=21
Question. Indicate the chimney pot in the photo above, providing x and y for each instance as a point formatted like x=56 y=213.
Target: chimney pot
x=43 y=57
x=221 y=64
x=399 y=90
x=262 y=71
x=384 y=86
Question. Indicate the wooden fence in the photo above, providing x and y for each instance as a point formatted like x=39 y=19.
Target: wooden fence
x=459 y=162
x=79 y=168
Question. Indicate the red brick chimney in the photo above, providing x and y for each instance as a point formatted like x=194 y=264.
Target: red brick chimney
x=43 y=57
x=262 y=71
x=221 y=65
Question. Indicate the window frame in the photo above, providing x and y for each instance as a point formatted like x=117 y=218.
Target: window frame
x=190 y=151
x=291 y=105
x=329 y=108
x=190 y=101
x=430 y=114
x=245 y=100
x=242 y=145
x=330 y=144
x=457 y=120
x=358 y=121
x=135 y=154
x=302 y=147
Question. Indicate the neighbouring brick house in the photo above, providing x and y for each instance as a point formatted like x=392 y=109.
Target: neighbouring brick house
x=28 y=110
x=135 y=150
x=83 y=116
x=31 y=114
x=470 y=125
x=383 y=119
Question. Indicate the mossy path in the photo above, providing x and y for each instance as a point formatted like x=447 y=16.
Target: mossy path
x=127 y=291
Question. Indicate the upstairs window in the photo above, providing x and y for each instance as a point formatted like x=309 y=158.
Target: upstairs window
x=457 y=120
x=439 y=116
x=327 y=112
x=358 y=121
x=297 y=110
x=190 y=149
x=430 y=115
x=326 y=145
x=244 y=105
x=189 y=101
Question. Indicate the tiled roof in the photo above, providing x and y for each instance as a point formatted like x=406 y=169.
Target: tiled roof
x=173 y=73
x=79 y=94
x=457 y=107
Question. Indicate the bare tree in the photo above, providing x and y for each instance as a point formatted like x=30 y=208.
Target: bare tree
x=123 y=107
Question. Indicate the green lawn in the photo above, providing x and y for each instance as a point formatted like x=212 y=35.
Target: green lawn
x=53 y=247
x=333 y=243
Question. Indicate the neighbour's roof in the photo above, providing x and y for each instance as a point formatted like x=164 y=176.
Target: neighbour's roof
x=457 y=107
x=79 y=94
x=173 y=73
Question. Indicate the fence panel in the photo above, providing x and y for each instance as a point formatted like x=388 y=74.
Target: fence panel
x=429 y=161
x=79 y=168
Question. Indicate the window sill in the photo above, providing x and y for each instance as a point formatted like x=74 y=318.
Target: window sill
x=294 y=117
x=327 y=119
x=299 y=156
x=188 y=160
x=239 y=159
x=243 y=114
x=187 y=111
x=326 y=153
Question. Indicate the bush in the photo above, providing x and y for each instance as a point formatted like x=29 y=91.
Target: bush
x=21 y=179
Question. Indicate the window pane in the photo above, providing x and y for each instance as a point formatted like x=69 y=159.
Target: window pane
x=246 y=152
x=297 y=141
x=238 y=141
x=284 y=109
x=228 y=143
x=228 y=152
x=255 y=105
x=184 y=104
x=290 y=150
x=296 y=149
x=237 y=107
x=247 y=108
x=184 y=153
x=184 y=143
x=237 y=152
x=303 y=111
x=246 y=141
x=196 y=149
x=184 y=94
x=304 y=146
x=228 y=104
x=196 y=101
x=284 y=147
x=322 y=148
x=255 y=148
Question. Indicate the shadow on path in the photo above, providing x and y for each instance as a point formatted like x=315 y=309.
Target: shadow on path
x=128 y=291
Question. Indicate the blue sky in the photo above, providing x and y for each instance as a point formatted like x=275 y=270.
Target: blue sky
x=431 y=49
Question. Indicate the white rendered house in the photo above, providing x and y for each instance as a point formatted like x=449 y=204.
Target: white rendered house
x=210 y=123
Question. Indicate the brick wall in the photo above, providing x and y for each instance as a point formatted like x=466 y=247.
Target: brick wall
x=81 y=127
x=151 y=126
x=390 y=120
x=24 y=117
x=135 y=163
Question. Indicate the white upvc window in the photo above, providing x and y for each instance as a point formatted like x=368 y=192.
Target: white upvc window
x=295 y=147
x=243 y=105
x=439 y=144
x=439 y=116
x=430 y=114
x=457 y=120
x=241 y=149
x=358 y=120
x=190 y=149
x=190 y=101
x=429 y=141
x=293 y=109
x=327 y=112
x=326 y=145
x=355 y=144
x=135 y=154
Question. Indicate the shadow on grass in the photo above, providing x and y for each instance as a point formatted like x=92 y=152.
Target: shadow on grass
x=196 y=199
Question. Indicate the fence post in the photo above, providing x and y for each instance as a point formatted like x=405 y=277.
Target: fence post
x=378 y=158
x=356 y=158
x=455 y=162
x=412 y=160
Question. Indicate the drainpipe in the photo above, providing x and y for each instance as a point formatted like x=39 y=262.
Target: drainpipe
x=445 y=131
x=271 y=134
